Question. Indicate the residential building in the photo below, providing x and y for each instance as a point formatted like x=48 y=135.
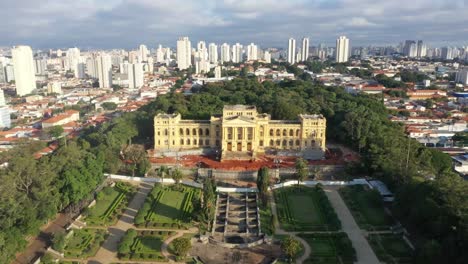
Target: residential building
x=252 y=52
x=143 y=53
x=135 y=75
x=61 y=119
x=40 y=66
x=104 y=70
x=184 y=53
x=24 y=70
x=342 y=49
x=305 y=49
x=225 y=53
x=237 y=53
x=5 y=118
x=462 y=76
x=421 y=50
x=213 y=53
x=267 y=56
x=292 y=51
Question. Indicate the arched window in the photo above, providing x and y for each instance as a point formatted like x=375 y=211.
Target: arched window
x=291 y=132
x=165 y=132
x=200 y=132
x=278 y=132
x=285 y=133
x=271 y=143
x=181 y=131
x=181 y=141
x=297 y=133
x=271 y=132
x=194 y=142
x=207 y=142
x=285 y=143
x=207 y=132
x=188 y=141
x=194 y=132
x=291 y=143
x=298 y=142
x=187 y=132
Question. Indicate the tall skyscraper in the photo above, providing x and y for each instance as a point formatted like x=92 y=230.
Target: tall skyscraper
x=135 y=75
x=237 y=53
x=160 y=54
x=104 y=70
x=225 y=53
x=267 y=56
x=91 y=67
x=72 y=60
x=446 y=53
x=24 y=70
x=184 y=53
x=421 y=50
x=305 y=49
x=292 y=51
x=342 y=49
x=252 y=52
x=2 y=73
x=143 y=53
x=80 y=70
x=462 y=76
x=410 y=48
x=213 y=53
x=40 y=66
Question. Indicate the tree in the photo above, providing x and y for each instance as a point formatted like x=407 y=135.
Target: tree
x=162 y=171
x=54 y=132
x=177 y=175
x=109 y=106
x=182 y=246
x=58 y=241
x=263 y=180
x=291 y=247
x=302 y=170
x=127 y=241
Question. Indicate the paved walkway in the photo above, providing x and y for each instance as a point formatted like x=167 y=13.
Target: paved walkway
x=280 y=231
x=364 y=252
x=108 y=252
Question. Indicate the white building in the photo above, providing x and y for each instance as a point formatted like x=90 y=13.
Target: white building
x=421 y=49
x=5 y=118
x=136 y=75
x=184 y=51
x=292 y=51
x=104 y=70
x=9 y=73
x=40 y=66
x=91 y=67
x=24 y=70
x=72 y=60
x=237 y=53
x=462 y=76
x=225 y=53
x=218 y=72
x=2 y=98
x=213 y=53
x=80 y=70
x=143 y=53
x=252 y=52
x=160 y=54
x=54 y=87
x=342 y=49
x=267 y=56
x=305 y=49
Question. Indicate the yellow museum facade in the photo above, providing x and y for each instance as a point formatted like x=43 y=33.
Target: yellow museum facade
x=239 y=130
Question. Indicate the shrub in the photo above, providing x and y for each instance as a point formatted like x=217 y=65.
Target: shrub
x=127 y=241
x=182 y=246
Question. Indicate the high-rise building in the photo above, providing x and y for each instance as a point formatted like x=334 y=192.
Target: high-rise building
x=342 y=49
x=410 y=48
x=184 y=53
x=5 y=118
x=213 y=53
x=91 y=67
x=160 y=54
x=40 y=66
x=218 y=71
x=2 y=73
x=462 y=76
x=54 y=87
x=237 y=53
x=267 y=56
x=72 y=60
x=80 y=70
x=422 y=49
x=135 y=75
x=104 y=70
x=225 y=53
x=143 y=53
x=292 y=51
x=24 y=70
x=9 y=73
x=305 y=49
x=447 y=53
x=2 y=98
x=252 y=52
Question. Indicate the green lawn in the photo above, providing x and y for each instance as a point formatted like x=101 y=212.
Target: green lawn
x=84 y=243
x=110 y=203
x=168 y=207
x=367 y=207
x=305 y=209
x=147 y=246
x=391 y=248
x=333 y=248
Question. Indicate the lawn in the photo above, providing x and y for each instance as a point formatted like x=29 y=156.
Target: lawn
x=305 y=209
x=391 y=248
x=110 y=203
x=367 y=207
x=330 y=248
x=147 y=246
x=266 y=220
x=84 y=243
x=168 y=207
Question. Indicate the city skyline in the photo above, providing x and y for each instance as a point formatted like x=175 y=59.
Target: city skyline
x=267 y=23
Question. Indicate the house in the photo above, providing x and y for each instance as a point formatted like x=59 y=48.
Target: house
x=61 y=119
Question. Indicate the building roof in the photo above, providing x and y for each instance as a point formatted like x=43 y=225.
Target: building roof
x=239 y=107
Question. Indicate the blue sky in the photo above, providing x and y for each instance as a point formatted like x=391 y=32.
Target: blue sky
x=269 y=23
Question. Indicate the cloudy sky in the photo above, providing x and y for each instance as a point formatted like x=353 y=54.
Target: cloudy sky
x=128 y=23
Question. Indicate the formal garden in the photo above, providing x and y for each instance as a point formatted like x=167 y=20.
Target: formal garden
x=303 y=208
x=367 y=207
x=143 y=245
x=110 y=204
x=168 y=207
x=330 y=248
x=391 y=248
x=79 y=243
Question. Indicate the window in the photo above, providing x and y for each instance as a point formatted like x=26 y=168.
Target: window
x=271 y=132
x=278 y=132
x=217 y=143
x=194 y=131
x=207 y=132
x=181 y=141
x=187 y=132
x=200 y=132
x=207 y=142
x=285 y=143
x=188 y=141
x=278 y=143
x=297 y=133
x=285 y=133
x=291 y=143
x=291 y=132
x=271 y=143
x=165 y=132
x=195 y=142
x=159 y=133
x=261 y=143
x=159 y=142
x=181 y=131
x=298 y=142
